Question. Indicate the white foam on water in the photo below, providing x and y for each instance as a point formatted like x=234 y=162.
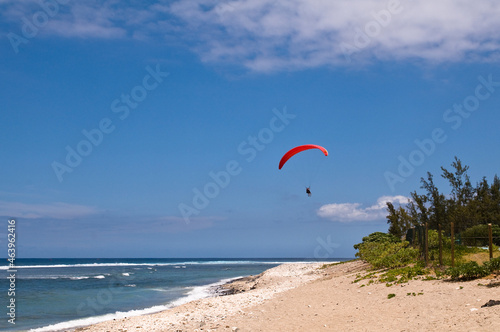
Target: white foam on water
x=78 y=278
x=195 y=293
x=143 y=264
x=200 y=292
x=99 y=319
x=53 y=277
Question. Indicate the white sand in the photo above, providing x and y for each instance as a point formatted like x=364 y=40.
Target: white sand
x=211 y=312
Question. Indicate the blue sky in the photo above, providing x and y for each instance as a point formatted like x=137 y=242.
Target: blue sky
x=117 y=115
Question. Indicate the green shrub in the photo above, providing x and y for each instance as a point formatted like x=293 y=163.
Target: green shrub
x=398 y=254
x=453 y=272
x=468 y=271
x=493 y=265
x=472 y=270
x=387 y=254
x=434 y=240
x=378 y=237
x=434 y=245
x=478 y=235
x=438 y=272
x=405 y=274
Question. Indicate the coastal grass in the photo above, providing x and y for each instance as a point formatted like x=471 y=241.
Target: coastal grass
x=324 y=266
x=480 y=257
x=392 y=276
x=463 y=254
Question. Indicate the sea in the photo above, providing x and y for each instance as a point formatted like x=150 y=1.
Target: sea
x=61 y=294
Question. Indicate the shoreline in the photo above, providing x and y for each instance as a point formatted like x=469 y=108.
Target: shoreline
x=128 y=279
x=291 y=297
x=195 y=294
x=242 y=292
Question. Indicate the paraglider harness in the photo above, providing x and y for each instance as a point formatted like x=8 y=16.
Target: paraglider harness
x=308 y=191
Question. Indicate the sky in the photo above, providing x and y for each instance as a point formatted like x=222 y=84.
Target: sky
x=155 y=128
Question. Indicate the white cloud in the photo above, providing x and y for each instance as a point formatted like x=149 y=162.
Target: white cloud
x=349 y=212
x=91 y=19
x=55 y=210
x=270 y=35
x=267 y=35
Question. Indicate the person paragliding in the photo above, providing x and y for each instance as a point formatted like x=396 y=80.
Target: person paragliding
x=299 y=149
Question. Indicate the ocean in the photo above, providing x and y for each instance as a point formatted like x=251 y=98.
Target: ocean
x=58 y=294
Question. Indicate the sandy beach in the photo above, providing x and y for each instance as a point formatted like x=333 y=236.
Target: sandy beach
x=303 y=297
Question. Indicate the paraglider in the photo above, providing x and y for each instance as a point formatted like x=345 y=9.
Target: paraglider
x=299 y=149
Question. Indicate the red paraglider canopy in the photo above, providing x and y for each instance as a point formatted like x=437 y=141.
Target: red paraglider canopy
x=298 y=149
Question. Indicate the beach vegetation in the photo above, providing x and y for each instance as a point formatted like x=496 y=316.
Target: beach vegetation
x=398 y=262
x=324 y=266
x=390 y=296
x=478 y=235
x=467 y=207
x=493 y=265
x=395 y=275
x=404 y=274
x=378 y=237
x=468 y=271
x=438 y=272
x=385 y=251
x=478 y=255
x=359 y=277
